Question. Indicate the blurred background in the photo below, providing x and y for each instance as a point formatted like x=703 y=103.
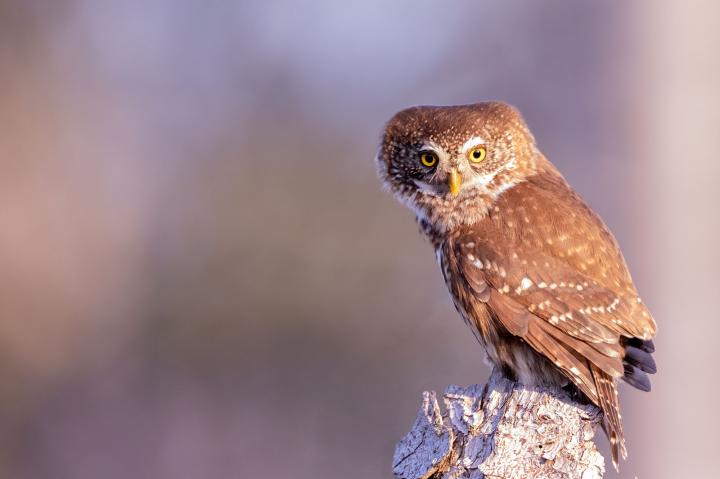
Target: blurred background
x=201 y=276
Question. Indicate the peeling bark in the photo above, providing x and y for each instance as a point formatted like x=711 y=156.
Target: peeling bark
x=501 y=430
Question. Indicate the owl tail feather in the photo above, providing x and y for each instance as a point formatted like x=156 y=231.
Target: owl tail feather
x=607 y=393
x=638 y=362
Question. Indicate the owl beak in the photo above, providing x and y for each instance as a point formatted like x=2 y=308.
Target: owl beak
x=454 y=182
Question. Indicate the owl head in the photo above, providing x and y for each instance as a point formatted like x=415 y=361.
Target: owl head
x=449 y=163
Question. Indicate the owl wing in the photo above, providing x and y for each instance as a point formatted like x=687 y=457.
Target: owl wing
x=574 y=321
x=554 y=291
x=557 y=258
x=560 y=312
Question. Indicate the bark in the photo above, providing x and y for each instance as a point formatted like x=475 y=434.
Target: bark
x=501 y=430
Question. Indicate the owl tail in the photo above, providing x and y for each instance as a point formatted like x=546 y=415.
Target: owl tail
x=638 y=362
x=608 y=395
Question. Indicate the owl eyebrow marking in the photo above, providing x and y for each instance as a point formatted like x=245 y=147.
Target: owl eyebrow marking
x=474 y=141
x=431 y=145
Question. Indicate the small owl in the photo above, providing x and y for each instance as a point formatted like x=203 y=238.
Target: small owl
x=530 y=267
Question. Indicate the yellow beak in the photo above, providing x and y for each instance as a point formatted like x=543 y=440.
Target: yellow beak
x=454 y=182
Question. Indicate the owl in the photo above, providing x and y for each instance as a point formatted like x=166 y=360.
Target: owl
x=532 y=270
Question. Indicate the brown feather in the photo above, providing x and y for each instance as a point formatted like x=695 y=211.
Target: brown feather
x=577 y=371
x=607 y=393
x=611 y=365
x=513 y=315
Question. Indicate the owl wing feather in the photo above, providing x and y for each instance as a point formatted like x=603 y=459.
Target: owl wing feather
x=529 y=308
x=580 y=306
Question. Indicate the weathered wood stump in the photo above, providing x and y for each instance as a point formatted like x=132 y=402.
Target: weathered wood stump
x=501 y=430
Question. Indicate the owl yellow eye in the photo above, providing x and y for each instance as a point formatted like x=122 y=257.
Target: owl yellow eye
x=477 y=154
x=428 y=158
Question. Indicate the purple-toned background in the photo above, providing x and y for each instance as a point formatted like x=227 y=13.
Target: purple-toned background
x=200 y=275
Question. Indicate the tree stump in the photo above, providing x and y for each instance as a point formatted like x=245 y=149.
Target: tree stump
x=501 y=430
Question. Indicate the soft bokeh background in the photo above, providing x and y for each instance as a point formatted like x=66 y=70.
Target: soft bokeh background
x=201 y=277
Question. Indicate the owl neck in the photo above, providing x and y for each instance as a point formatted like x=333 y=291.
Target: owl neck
x=466 y=211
